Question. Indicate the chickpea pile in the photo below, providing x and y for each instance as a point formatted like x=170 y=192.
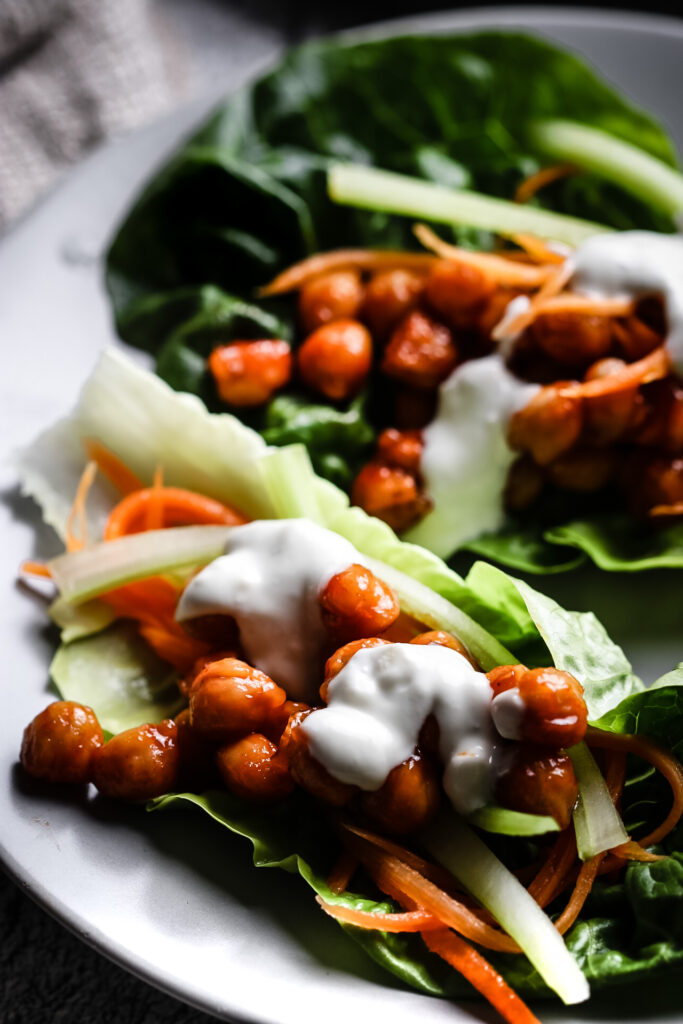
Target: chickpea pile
x=241 y=731
x=411 y=327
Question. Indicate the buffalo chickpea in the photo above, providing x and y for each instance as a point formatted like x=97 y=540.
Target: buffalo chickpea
x=583 y=470
x=229 y=697
x=335 y=296
x=607 y=418
x=458 y=292
x=539 y=782
x=279 y=720
x=524 y=484
x=186 y=683
x=138 y=764
x=336 y=359
x=355 y=604
x=59 y=743
x=400 y=448
x=391 y=494
x=662 y=425
x=549 y=424
x=553 y=711
x=250 y=372
x=306 y=771
x=444 y=639
x=389 y=296
x=572 y=339
x=408 y=799
x=252 y=768
x=505 y=677
x=421 y=352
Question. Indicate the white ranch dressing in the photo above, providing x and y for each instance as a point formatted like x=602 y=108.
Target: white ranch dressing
x=378 y=704
x=631 y=264
x=269 y=580
x=466 y=457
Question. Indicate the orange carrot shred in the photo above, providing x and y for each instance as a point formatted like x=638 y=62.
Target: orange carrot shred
x=344 y=259
x=112 y=467
x=537 y=249
x=480 y=974
x=503 y=268
x=412 y=921
x=29 y=568
x=667 y=510
x=546 y=176
x=77 y=521
x=180 y=507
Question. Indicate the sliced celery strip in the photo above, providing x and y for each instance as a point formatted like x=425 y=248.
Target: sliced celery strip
x=291 y=483
x=81 y=575
x=466 y=856
x=612 y=158
x=512 y=823
x=596 y=819
x=374 y=189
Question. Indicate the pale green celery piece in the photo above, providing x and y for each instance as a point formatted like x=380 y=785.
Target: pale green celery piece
x=597 y=822
x=78 y=620
x=373 y=189
x=505 y=822
x=469 y=859
x=291 y=483
x=621 y=162
x=81 y=575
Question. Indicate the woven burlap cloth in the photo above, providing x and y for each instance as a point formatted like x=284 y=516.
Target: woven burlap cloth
x=73 y=72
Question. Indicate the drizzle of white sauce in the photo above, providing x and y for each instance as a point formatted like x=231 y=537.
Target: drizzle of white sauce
x=466 y=458
x=507 y=712
x=269 y=580
x=631 y=264
x=377 y=705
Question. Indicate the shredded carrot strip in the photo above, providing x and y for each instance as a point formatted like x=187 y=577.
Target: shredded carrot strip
x=30 y=568
x=664 y=762
x=634 y=851
x=582 y=888
x=653 y=367
x=154 y=514
x=537 y=249
x=343 y=259
x=394 y=876
x=667 y=510
x=546 y=176
x=554 y=283
x=440 y=876
x=548 y=882
x=77 y=521
x=112 y=467
x=180 y=507
x=412 y=921
x=570 y=302
x=342 y=872
x=480 y=974
x=503 y=269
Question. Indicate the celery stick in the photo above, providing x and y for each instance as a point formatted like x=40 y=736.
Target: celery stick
x=612 y=158
x=596 y=819
x=374 y=189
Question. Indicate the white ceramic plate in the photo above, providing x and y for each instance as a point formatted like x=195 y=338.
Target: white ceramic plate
x=170 y=897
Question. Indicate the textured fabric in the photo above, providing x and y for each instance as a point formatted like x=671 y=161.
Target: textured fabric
x=72 y=72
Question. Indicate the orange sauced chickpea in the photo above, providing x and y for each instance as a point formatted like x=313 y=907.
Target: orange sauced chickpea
x=355 y=604
x=554 y=713
x=138 y=764
x=421 y=352
x=539 y=781
x=335 y=296
x=389 y=296
x=652 y=479
x=444 y=639
x=583 y=469
x=306 y=771
x=390 y=493
x=249 y=373
x=408 y=799
x=458 y=292
x=230 y=696
x=336 y=359
x=573 y=339
x=400 y=448
x=524 y=484
x=58 y=745
x=549 y=424
x=252 y=768
x=608 y=418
